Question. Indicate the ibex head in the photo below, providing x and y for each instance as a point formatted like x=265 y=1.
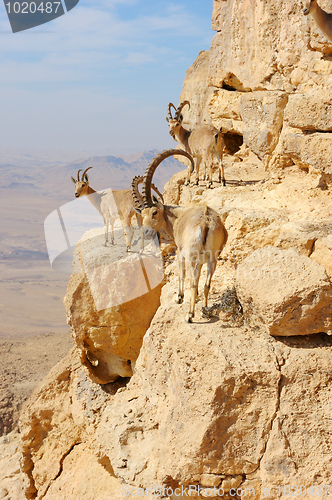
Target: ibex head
x=152 y=210
x=81 y=186
x=175 y=123
x=310 y=6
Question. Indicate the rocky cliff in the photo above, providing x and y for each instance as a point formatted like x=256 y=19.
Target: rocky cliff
x=237 y=405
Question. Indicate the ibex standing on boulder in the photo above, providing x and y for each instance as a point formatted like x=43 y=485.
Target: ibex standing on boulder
x=197 y=232
x=111 y=205
x=202 y=143
x=322 y=18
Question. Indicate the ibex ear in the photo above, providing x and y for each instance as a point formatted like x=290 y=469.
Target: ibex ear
x=86 y=178
x=181 y=118
x=72 y=178
x=138 y=210
x=157 y=202
x=167 y=119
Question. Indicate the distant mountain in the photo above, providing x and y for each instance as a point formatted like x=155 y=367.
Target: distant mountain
x=53 y=179
x=117 y=172
x=25 y=186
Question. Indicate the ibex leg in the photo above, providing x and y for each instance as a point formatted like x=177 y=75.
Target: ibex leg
x=128 y=231
x=194 y=278
x=211 y=267
x=106 y=222
x=221 y=170
x=210 y=183
x=182 y=275
x=112 y=231
x=139 y=223
x=197 y=164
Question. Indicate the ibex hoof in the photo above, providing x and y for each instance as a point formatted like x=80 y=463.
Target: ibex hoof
x=128 y=249
x=186 y=183
x=189 y=318
x=179 y=300
x=224 y=183
x=196 y=182
x=209 y=185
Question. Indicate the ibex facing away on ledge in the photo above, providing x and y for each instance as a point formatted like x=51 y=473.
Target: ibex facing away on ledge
x=197 y=232
x=202 y=143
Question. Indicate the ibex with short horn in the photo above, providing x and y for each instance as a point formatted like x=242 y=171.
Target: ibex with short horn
x=111 y=205
x=202 y=143
x=197 y=232
x=323 y=19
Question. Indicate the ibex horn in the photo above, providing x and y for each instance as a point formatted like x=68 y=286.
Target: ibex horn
x=178 y=111
x=84 y=173
x=171 y=105
x=78 y=175
x=147 y=180
x=138 y=198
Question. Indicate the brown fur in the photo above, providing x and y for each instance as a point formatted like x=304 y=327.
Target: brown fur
x=112 y=205
x=199 y=235
x=202 y=143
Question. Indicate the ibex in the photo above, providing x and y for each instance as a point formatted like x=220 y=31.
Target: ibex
x=111 y=205
x=322 y=18
x=197 y=232
x=202 y=143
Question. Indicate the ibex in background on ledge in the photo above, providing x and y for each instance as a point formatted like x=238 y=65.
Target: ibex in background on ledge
x=202 y=143
x=197 y=232
x=323 y=19
x=111 y=205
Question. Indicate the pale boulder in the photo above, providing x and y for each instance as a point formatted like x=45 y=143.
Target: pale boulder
x=110 y=303
x=285 y=292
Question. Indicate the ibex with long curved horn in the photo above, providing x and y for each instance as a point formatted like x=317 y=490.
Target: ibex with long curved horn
x=197 y=232
x=322 y=18
x=202 y=143
x=111 y=205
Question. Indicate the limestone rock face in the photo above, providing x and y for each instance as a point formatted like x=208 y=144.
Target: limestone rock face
x=56 y=424
x=262 y=115
x=210 y=435
x=310 y=111
x=11 y=477
x=263 y=45
x=323 y=253
x=268 y=78
x=224 y=402
x=177 y=425
x=306 y=151
x=196 y=77
x=288 y=293
x=109 y=306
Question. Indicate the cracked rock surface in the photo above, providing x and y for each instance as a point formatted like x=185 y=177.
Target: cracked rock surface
x=225 y=402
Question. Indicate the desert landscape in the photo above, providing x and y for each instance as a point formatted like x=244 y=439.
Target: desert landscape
x=238 y=403
x=34 y=334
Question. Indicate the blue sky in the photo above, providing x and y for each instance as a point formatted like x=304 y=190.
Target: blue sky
x=100 y=77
